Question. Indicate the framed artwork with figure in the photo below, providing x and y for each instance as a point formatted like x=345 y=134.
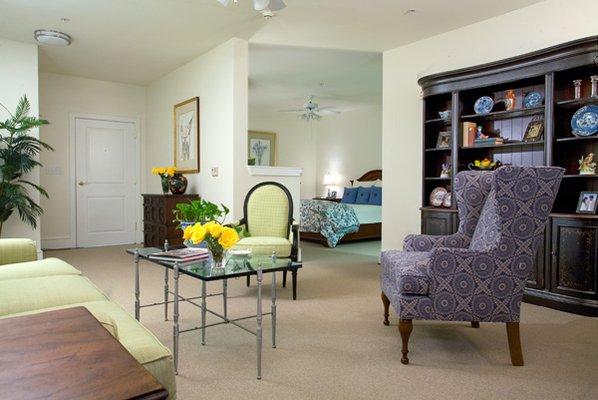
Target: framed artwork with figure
x=261 y=148
x=186 y=136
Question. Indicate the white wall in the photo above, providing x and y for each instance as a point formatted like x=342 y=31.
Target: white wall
x=296 y=142
x=18 y=77
x=347 y=144
x=532 y=28
x=219 y=78
x=60 y=97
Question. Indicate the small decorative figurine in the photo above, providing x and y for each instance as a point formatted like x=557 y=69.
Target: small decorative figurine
x=594 y=80
x=509 y=100
x=577 y=85
x=479 y=134
x=446 y=170
x=587 y=165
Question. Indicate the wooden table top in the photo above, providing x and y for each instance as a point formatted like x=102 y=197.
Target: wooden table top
x=68 y=354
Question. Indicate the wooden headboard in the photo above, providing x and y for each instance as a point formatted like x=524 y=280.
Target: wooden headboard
x=370 y=176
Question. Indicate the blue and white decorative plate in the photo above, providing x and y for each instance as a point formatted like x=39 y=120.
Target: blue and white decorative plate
x=532 y=99
x=585 y=121
x=483 y=105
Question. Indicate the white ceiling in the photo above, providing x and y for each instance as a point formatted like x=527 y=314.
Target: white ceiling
x=137 y=41
x=282 y=77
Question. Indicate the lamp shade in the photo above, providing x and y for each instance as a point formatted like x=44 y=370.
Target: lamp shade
x=329 y=179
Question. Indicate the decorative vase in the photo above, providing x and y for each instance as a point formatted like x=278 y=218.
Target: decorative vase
x=510 y=100
x=577 y=89
x=178 y=184
x=594 y=80
x=218 y=257
x=165 y=181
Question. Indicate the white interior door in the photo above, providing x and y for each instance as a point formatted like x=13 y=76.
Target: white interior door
x=106 y=182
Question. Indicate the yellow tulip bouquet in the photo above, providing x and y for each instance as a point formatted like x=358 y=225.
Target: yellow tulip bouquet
x=218 y=238
x=165 y=174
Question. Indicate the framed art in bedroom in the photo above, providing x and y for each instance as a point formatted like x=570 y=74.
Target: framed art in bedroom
x=261 y=148
x=186 y=136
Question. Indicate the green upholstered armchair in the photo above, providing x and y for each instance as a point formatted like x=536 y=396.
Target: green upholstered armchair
x=268 y=223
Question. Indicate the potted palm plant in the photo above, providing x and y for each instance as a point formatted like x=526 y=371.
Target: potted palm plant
x=19 y=154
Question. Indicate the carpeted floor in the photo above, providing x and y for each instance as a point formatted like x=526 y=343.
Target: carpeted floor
x=332 y=343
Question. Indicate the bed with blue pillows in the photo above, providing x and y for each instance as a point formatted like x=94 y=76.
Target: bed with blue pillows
x=358 y=216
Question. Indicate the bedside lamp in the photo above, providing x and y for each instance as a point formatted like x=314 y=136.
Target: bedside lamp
x=329 y=180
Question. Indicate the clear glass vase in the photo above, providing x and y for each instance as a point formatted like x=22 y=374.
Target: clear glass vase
x=165 y=181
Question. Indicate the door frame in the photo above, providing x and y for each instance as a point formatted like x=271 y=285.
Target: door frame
x=73 y=117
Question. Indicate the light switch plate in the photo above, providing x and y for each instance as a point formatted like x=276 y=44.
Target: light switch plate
x=214 y=171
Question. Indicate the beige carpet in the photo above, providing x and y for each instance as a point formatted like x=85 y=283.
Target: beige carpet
x=332 y=344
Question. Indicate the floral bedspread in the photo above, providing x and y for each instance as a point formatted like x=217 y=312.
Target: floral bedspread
x=332 y=220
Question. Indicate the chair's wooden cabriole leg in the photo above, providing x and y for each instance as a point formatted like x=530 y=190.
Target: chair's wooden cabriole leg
x=284 y=278
x=386 y=304
x=405 y=328
x=475 y=324
x=514 y=344
x=248 y=280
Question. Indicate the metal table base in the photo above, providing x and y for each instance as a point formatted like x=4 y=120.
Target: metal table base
x=177 y=298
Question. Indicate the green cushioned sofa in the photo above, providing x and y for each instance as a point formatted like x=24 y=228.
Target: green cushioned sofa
x=29 y=286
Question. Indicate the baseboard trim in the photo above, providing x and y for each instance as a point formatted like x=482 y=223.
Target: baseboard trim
x=57 y=243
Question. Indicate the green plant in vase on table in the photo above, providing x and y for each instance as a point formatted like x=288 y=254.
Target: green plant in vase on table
x=201 y=211
x=165 y=174
x=19 y=153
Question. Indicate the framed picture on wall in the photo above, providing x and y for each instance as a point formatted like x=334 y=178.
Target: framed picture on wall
x=261 y=148
x=186 y=136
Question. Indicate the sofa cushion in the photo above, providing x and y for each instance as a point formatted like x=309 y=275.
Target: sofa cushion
x=17 y=250
x=33 y=269
x=19 y=295
x=265 y=245
x=408 y=270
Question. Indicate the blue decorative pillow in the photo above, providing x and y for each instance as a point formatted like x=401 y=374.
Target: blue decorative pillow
x=349 y=195
x=375 y=196
x=363 y=195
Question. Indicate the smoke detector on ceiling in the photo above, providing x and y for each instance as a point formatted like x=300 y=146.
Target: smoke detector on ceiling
x=52 y=38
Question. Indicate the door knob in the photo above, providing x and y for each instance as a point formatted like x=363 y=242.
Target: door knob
x=81 y=183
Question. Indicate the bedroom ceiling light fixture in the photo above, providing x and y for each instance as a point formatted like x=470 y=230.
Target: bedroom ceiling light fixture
x=311 y=111
x=52 y=38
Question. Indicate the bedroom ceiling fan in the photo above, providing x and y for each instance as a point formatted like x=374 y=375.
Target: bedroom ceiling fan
x=260 y=5
x=312 y=111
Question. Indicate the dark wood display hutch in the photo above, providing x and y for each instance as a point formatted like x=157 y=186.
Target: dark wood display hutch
x=158 y=219
x=566 y=274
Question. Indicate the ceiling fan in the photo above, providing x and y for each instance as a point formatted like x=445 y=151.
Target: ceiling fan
x=260 y=5
x=312 y=111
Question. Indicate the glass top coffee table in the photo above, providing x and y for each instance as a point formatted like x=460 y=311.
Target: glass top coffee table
x=234 y=267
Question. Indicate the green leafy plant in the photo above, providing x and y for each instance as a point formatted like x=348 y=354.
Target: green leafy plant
x=200 y=211
x=19 y=153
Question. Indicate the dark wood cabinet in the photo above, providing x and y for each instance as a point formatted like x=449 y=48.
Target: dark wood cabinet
x=574 y=254
x=565 y=275
x=438 y=221
x=158 y=219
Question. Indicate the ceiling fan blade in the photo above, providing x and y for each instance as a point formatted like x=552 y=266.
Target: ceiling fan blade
x=328 y=112
x=260 y=5
x=276 y=5
x=224 y=2
x=301 y=110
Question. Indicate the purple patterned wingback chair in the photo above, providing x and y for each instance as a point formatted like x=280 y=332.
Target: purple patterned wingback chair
x=477 y=274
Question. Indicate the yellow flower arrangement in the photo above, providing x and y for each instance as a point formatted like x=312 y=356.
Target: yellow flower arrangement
x=217 y=237
x=164 y=171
